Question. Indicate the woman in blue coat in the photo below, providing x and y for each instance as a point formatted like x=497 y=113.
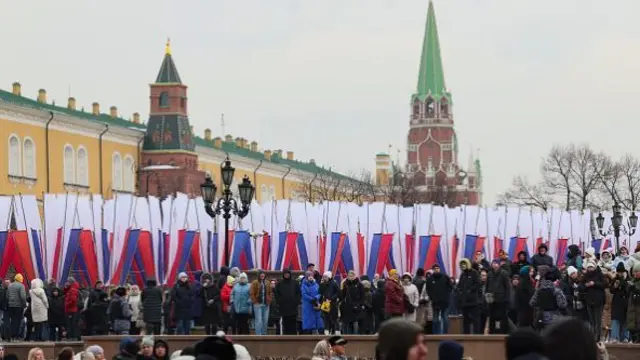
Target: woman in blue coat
x=311 y=317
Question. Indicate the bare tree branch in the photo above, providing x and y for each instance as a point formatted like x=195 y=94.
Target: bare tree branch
x=523 y=193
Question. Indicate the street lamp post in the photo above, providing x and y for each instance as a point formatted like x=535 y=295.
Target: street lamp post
x=227 y=205
x=617 y=227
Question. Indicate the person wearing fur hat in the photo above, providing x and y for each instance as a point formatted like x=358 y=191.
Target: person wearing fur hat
x=542 y=257
x=594 y=296
x=412 y=297
x=352 y=297
x=330 y=292
x=182 y=297
x=469 y=290
x=394 y=295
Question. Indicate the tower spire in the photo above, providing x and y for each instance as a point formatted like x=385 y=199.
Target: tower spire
x=167 y=48
x=168 y=73
x=431 y=72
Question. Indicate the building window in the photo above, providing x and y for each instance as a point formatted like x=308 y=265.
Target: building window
x=164 y=99
x=116 y=172
x=183 y=102
x=272 y=193
x=29 y=158
x=69 y=165
x=128 y=173
x=14 y=156
x=82 y=166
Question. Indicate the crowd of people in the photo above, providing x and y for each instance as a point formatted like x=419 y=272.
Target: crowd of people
x=603 y=290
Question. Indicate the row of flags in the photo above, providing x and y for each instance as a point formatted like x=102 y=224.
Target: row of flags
x=131 y=239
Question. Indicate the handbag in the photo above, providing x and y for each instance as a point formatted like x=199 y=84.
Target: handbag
x=325 y=306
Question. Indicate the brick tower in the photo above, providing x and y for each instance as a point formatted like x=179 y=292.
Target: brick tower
x=169 y=161
x=432 y=156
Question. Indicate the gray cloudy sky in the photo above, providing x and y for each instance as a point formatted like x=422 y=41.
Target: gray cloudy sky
x=331 y=79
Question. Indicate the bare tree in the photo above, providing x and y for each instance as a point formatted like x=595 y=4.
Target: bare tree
x=523 y=193
x=556 y=172
x=621 y=182
x=585 y=182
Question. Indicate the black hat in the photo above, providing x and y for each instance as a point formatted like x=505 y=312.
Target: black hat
x=337 y=340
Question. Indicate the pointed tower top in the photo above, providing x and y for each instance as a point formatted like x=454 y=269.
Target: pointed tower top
x=431 y=72
x=168 y=73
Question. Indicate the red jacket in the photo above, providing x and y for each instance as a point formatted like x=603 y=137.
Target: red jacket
x=225 y=296
x=393 y=298
x=71 y=294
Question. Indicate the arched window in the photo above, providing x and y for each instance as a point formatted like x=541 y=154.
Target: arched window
x=116 y=171
x=83 y=166
x=444 y=107
x=164 y=99
x=14 y=156
x=128 y=173
x=29 y=158
x=69 y=165
x=416 y=108
x=272 y=193
x=430 y=107
x=264 y=193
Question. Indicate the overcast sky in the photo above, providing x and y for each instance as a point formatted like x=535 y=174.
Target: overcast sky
x=331 y=80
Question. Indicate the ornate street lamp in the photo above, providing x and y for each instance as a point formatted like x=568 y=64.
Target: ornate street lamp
x=617 y=227
x=227 y=205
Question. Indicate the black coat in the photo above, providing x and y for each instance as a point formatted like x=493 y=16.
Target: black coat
x=594 y=295
x=183 y=300
x=439 y=290
x=469 y=289
x=499 y=284
x=288 y=296
x=620 y=299
x=151 y=298
x=352 y=297
x=211 y=309
x=56 y=310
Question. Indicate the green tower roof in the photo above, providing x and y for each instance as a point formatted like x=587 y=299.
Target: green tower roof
x=431 y=72
x=168 y=73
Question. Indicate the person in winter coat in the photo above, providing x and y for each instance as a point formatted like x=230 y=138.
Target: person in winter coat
x=393 y=296
x=241 y=302
x=619 y=301
x=365 y=326
x=210 y=298
x=633 y=308
x=575 y=292
x=497 y=296
x=168 y=314
x=352 y=299
x=288 y=297
x=549 y=300
x=55 y=315
x=606 y=263
x=468 y=296
x=119 y=312
x=574 y=257
x=419 y=281
x=39 y=308
x=98 y=315
x=377 y=303
x=330 y=292
x=594 y=297
x=16 y=304
x=227 y=310
x=151 y=299
x=135 y=302
x=274 y=310
x=439 y=287
x=260 y=292
x=71 y=298
x=542 y=257
x=412 y=297
x=523 y=293
x=222 y=279
x=182 y=297
x=518 y=265
x=311 y=318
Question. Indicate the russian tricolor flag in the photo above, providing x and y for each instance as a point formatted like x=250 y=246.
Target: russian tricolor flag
x=430 y=252
x=381 y=255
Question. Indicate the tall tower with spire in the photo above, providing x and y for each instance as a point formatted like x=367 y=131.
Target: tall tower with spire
x=432 y=144
x=169 y=162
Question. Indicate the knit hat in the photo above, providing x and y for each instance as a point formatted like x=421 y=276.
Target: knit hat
x=328 y=274
x=450 y=350
x=590 y=264
x=18 y=278
x=524 y=270
x=393 y=272
x=95 y=350
x=71 y=280
x=591 y=252
x=620 y=267
x=571 y=270
x=182 y=274
x=147 y=341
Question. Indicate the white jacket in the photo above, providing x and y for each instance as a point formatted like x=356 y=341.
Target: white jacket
x=412 y=293
x=134 y=302
x=39 y=302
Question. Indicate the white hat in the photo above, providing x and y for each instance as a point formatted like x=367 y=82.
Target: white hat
x=590 y=263
x=571 y=270
x=591 y=252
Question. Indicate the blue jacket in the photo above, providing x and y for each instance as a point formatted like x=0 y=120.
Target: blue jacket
x=241 y=299
x=311 y=318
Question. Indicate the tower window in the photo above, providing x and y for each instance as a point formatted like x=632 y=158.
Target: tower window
x=183 y=102
x=444 y=107
x=164 y=99
x=416 y=108
x=431 y=108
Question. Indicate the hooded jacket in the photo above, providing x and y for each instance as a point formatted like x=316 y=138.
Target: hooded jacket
x=240 y=299
x=540 y=258
x=39 y=302
x=287 y=294
x=468 y=286
x=71 y=295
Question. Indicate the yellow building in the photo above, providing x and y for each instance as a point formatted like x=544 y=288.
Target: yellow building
x=56 y=149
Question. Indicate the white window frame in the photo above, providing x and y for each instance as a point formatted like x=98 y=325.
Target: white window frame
x=116 y=171
x=82 y=165
x=14 y=163
x=128 y=178
x=69 y=170
x=264 y=193
x=26 y=172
